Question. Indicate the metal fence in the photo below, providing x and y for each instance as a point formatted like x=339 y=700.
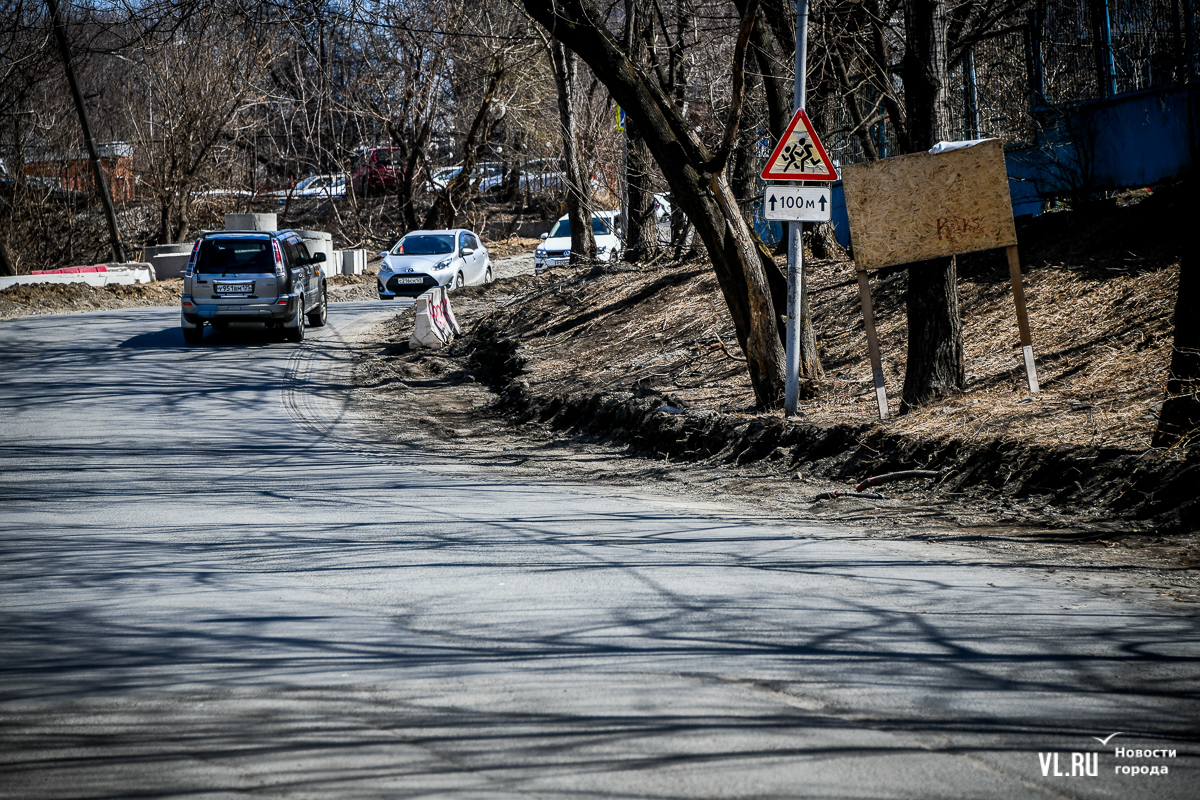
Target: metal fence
x=1065 y=51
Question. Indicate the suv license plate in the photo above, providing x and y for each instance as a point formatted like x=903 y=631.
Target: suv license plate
x=410 y=280
x=233 y=288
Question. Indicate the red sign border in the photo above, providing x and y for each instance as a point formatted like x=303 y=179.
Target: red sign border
x=831 y=175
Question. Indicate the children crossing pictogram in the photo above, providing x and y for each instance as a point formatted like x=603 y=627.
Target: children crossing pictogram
x=799 y=155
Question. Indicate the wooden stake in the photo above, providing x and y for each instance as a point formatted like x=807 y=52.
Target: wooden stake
x=864 y=293
x=1014 y=269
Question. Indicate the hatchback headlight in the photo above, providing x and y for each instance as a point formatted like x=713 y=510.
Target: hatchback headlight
x=601 y=249
x=445 y=262
x=385 y=267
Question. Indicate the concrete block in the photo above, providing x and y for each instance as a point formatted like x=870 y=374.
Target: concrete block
x=126 y=275
x=170 y=265
x=321 y=242
x=354 y=262
x=251 y=222
x=167 y=249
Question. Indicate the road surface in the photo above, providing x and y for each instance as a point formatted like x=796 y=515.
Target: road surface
x=212 y=587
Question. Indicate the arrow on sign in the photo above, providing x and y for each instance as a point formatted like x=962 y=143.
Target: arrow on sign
x=772 y=202
x=822 y=202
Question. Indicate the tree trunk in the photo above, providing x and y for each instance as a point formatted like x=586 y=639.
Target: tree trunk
x=641 y=234
x=935 y=350
x=743 y=161
x=579 y=189
x=924 y=69
x=1180 y=416
x=935 y=354
x=702 y=194
x=641 y=237
x=164 y=221
x=6 y=267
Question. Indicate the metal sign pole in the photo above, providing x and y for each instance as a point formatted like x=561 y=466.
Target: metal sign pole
x=795 y=298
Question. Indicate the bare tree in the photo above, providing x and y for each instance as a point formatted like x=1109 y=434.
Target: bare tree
x=566 y=76
x=641 y=232
x=695 y=174
x=205 y=82
x=488 y=69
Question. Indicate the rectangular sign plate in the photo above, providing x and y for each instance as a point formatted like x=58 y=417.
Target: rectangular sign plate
x=233 y=288
x=797 y=203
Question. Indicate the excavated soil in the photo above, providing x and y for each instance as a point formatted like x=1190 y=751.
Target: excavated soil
x=57 y=298
x=632 y=376
x=24 y=300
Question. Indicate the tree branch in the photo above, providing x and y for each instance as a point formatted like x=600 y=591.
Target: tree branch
x=717 y=164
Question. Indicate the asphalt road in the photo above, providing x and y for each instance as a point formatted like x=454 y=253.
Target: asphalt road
x=211 y=587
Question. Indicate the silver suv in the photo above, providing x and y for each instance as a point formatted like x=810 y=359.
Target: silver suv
x=253 y=276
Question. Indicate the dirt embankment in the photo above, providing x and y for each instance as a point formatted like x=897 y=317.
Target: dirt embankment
x=24 y=300
x=56 y=298
x=645 y=360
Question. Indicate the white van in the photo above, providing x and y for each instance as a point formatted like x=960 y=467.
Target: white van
x=555 y=249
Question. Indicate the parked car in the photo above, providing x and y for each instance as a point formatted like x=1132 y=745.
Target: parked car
x=423 y=260
x=662 y=209
x=543 y=174
x=377 y=170
x=252 y=276
x=319 y=186
x=443 y=176
x=555 y=249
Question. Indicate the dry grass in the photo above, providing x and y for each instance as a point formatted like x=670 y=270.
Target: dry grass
x=1101 y=328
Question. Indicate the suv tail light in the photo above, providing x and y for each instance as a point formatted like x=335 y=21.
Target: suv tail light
x=279 y=271
x=191 y=267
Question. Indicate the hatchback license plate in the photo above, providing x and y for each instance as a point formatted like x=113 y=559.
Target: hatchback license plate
x=233 y=288
x=410 y=280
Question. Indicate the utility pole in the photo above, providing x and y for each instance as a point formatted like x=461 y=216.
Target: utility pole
x=64 y=49
x=795 y=297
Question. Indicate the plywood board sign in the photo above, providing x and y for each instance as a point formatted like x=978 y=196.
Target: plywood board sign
x=923 y=205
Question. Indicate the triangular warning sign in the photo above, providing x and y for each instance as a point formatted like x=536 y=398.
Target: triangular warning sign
x=799 y=155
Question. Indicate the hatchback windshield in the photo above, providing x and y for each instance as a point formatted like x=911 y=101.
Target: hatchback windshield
x=221 y=256
x=425 y=244
x=563 y=228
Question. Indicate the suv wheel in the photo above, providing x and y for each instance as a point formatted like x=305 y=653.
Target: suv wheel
x=193 y=335
x=320 y=315
x=295 y=332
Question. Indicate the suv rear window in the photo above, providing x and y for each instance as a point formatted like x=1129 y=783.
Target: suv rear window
x=220 y=256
